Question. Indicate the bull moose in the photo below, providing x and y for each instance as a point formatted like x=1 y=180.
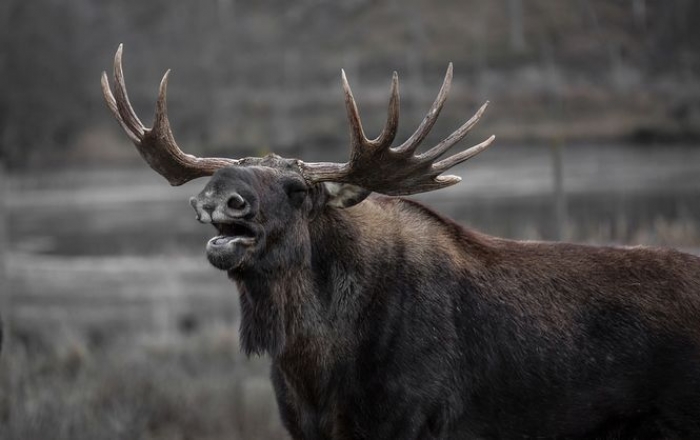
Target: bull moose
x=386 y=320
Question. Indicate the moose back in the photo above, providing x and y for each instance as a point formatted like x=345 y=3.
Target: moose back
x=386 y=320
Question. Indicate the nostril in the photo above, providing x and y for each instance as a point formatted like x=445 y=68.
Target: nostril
x=236 y=202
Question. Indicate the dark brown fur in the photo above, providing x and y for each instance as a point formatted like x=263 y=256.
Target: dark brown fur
x=385 y=320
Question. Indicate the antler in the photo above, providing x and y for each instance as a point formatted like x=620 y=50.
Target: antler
x=156 y=145
x=376 y=166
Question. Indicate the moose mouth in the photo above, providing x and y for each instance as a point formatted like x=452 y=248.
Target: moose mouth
x=231 y=248
x=232 y=233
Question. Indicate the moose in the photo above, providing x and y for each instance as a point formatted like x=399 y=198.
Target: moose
x=386 y=320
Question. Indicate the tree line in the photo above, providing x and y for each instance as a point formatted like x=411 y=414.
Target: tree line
x=264 y=75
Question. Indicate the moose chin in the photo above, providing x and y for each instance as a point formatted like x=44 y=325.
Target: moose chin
x=386 y=320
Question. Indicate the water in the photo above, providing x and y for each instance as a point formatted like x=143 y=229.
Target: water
x=611 y=194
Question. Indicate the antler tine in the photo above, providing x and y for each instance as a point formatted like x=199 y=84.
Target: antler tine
x=427 y=123
x=455 y=137
x=124 y=113
x=386 y=137
x=156 y=145
x=460 y=157
x=356 y=132
x=161 y=123
x=123 y=104
x=112 y=104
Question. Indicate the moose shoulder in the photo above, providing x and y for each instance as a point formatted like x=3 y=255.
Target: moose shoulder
x=386 y=320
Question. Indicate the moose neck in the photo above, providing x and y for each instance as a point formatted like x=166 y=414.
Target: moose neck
x=274 y=310
x=316 y=293
x=289 y=300
x=278 y=306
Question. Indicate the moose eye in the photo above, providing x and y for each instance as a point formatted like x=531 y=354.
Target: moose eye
x=296 y=191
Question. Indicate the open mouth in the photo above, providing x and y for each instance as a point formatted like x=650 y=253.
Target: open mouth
x=232 y=233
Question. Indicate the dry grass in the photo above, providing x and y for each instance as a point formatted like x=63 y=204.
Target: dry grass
x=197 y=386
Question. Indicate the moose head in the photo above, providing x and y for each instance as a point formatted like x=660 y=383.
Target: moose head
x=261 y=206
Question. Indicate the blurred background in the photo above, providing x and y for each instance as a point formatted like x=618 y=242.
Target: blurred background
x=115 y=325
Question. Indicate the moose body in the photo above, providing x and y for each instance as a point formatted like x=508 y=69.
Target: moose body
x=385 y=320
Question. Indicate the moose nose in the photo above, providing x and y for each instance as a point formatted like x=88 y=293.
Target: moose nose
x=236 y=202
x=219 y=209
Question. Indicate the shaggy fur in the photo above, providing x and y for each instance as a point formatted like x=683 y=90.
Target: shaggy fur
x=385 y=320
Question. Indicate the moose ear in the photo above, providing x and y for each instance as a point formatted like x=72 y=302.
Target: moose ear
x=344 y=195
